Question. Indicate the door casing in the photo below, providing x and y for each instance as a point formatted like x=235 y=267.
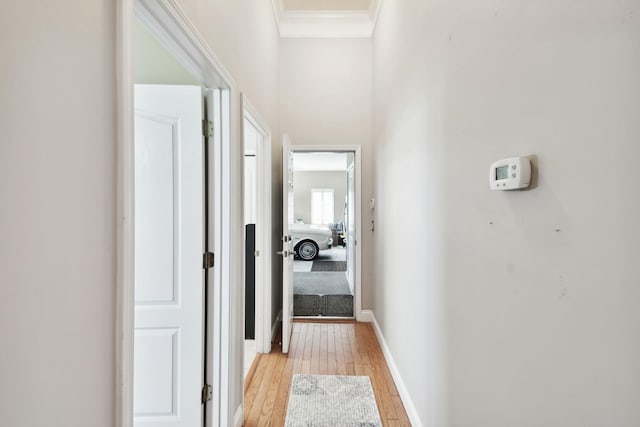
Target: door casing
x=172 y=28
x=263 y=313
x=356 y=149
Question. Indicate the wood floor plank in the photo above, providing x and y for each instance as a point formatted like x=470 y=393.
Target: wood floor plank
x=385 y=405
x=315 y=352
x=269 y=402
x=261 y=395
x=336 y=348
x=378 y=360
x=331 y=338
x=254 y=385
x=346 y=345
x=341 y=369
x=403 y=419
x=332 y=359
x=355 y=345
x=381 y=365
x=307 y=351
x=251 y=372
x=323 y=369
x=292 y=360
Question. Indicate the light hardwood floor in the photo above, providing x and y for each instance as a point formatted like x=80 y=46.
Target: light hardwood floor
x=335 y=348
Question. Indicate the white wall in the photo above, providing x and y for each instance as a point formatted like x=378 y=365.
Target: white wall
x=325 y=99
x=511 y=323
x=58 y=213
x=153 y=63
x=251 y=138
x=305 y=181
x=244 y=35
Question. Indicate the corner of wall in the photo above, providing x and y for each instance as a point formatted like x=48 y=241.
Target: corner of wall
x=365 y=316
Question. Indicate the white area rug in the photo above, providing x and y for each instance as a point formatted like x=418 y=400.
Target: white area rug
x=331 y=401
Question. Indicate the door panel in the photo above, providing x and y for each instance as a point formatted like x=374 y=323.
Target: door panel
x=155 y=173
x=168 y=343
x=287 y=244
x=160 y=346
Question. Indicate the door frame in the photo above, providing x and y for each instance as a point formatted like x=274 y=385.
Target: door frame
x=263 y=293
x=357 y=150
x=171 y=27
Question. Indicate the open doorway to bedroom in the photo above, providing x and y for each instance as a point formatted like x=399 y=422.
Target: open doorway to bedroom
x=256 y=141
x=324 y=282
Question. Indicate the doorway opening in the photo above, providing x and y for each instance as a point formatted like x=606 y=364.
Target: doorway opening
x=256 y=137
x=174 y=136
x=170 y=237
x=292 y=247
x=323 y=233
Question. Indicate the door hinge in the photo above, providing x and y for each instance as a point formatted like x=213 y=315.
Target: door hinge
x=208 y=260
x=207 y=128
x=207 y=393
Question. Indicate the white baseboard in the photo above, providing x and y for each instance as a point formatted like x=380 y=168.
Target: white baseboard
x=365 y=316
x=238 y=416
x=409 y=406
x=274 y=328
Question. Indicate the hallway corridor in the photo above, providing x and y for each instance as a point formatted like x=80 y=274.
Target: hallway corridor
x=334 y=348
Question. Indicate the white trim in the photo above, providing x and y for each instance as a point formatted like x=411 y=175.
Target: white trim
x=326 y=23
x=170 y=25
x=366 y=316
x=274 y=328
x=174 y=30
x=409 y=406
x=263 y=226
x=357 y=149
x=215 y=220
x=374 y=11
x=277 y=7
x=231 y=226
x=238 y=416
x=125 y=219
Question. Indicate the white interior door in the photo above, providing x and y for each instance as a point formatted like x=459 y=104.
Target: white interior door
x=168 y=343
x=287 y=243
x=351 y=227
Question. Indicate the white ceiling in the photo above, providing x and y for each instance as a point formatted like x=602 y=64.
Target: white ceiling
x=307 y=162
x=326 y=18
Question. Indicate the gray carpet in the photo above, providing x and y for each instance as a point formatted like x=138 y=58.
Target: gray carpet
x=323 y=293
x=307 y=305
x=329 y=266
x=337 y=253
x=332 y=401
x=320 y=282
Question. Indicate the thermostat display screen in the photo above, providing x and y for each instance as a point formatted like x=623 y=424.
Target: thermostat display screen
x=510 y=174
x=502 y=172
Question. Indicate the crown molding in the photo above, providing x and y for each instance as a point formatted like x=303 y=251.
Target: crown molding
x=326 y=23
x=374 y=12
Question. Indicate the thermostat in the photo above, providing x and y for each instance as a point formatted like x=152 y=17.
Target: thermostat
x=510 y=174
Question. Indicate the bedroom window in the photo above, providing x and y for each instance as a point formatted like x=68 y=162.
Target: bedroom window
x=321 y=206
